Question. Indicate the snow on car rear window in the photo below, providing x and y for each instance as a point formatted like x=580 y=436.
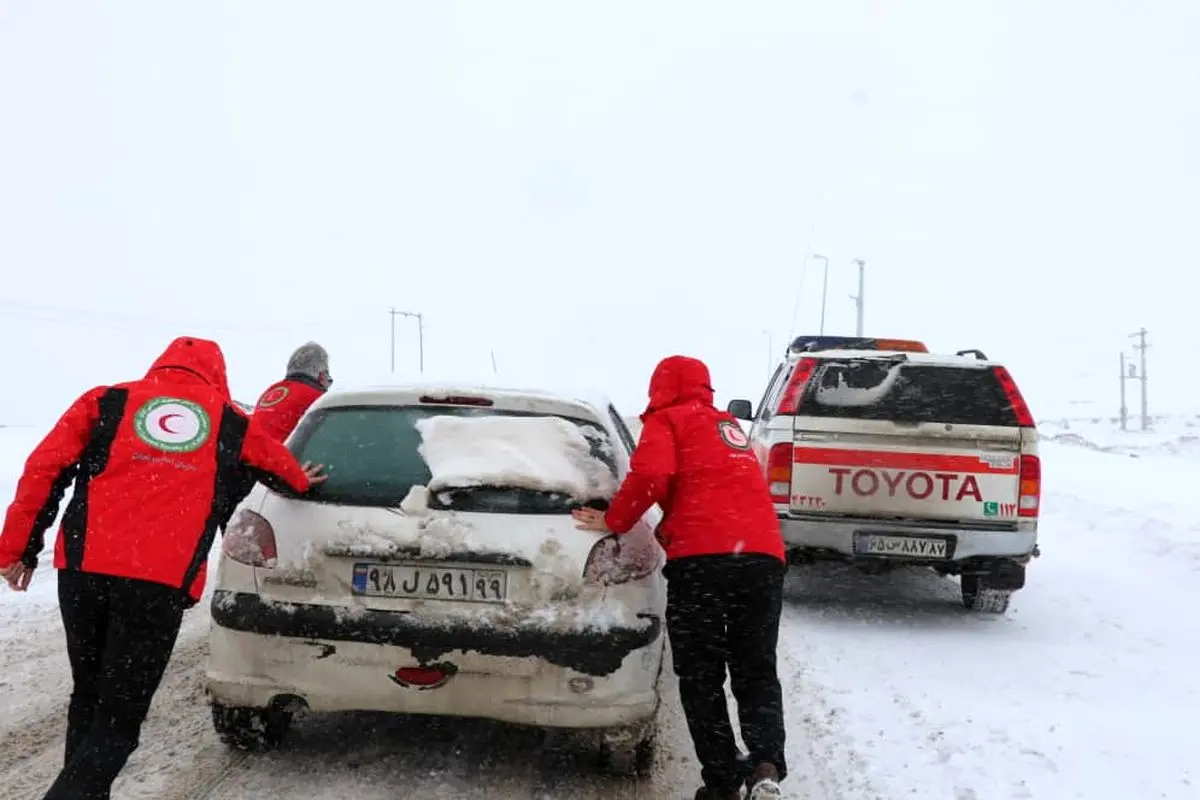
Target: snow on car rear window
x=372 y=453
x=879 y=389
x=546 y=454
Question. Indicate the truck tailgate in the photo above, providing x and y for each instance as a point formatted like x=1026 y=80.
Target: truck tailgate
x=950 y=480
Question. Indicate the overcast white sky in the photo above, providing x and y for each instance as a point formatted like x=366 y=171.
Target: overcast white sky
x=586 y=187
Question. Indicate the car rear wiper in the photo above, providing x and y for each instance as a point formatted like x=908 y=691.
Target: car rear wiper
x=512 y=499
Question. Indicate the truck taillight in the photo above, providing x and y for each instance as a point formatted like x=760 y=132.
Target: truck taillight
x=1019 y=407
x=249 y=539
x=790 y=403
x=1029 y=501
x=779 y=472
x=613 y=561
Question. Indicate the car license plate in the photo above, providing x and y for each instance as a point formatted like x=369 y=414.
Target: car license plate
x=426 y=582
x=877 y=544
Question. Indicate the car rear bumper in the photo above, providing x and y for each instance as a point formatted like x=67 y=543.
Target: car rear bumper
x=587 y=650
x=838 y=536
x=254 y=669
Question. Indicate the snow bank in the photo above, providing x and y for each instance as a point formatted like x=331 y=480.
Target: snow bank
x=1168 y=435
x=845 y=395
x=540 y=453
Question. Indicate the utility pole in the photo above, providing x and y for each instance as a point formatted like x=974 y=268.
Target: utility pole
x=858 y=298
x=393 y=313
x=1124 y=408
x=824 y=289
x=1141 y=348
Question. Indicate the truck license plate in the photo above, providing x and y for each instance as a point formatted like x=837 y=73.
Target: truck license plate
x=877 y=544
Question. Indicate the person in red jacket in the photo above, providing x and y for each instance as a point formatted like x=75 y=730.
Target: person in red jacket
x=725 y=570
x=150 y=461
x=281 y=406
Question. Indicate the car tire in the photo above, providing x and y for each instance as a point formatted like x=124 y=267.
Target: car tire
x=977 y=597
x=251 y=729
x=635 y=758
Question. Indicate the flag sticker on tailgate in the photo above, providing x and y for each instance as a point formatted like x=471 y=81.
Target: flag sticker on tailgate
x=994 y=509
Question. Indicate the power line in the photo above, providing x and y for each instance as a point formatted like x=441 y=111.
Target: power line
x=808 y=251
x=87 y=318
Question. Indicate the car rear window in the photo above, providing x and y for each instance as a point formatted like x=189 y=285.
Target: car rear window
x=881 y=389
x=371 y=456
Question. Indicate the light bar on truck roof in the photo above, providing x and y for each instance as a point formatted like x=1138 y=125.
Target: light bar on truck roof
x=809 y=344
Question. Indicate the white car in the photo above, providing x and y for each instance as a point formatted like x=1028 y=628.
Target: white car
x=438 y=571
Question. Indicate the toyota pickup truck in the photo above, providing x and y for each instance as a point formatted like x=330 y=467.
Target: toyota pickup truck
x=886 y=455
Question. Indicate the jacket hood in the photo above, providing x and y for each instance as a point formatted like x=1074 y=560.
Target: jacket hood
x=679 y=379
x=201 y=357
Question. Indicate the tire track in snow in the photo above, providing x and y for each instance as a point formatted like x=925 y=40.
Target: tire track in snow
x=37 y=745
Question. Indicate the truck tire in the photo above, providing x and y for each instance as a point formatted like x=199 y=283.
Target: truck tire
x=979 y=598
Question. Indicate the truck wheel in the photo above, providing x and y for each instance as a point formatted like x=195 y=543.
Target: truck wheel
x=977 y=597
x=254 y=729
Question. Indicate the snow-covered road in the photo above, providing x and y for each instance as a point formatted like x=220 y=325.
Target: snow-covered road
x=1084 y=690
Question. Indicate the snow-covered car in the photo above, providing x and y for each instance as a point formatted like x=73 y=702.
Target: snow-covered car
x=438 y=571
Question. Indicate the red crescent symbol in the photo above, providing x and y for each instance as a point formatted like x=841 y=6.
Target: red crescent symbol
x=273 y=396
x=162 y=423
x=733 y=435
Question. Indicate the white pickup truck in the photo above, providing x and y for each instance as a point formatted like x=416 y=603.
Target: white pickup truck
x=885 y=455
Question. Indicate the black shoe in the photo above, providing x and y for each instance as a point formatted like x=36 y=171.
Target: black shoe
x=706 y=793
x=763 y=783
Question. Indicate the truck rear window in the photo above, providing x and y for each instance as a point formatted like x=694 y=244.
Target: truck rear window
x=879 y=389
x=371 y=456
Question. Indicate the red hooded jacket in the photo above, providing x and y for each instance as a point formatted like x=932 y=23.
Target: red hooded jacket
x=151 y=462
x=696 y=464
x=282 y=405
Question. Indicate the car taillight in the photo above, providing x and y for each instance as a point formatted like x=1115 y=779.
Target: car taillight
x=249 y=539
x=1015 y=399
x=1029 y=501
x=779 y=472
x=795 y=388
x=424 y=678
x=612 y=561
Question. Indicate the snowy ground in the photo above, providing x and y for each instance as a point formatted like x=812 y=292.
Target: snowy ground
x=1084 y=690
x=1167 y=435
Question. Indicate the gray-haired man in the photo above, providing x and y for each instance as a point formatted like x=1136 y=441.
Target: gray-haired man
x=281 y=406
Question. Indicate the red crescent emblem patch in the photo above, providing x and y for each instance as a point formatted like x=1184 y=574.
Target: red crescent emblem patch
x=732 y=435
x=273 y=396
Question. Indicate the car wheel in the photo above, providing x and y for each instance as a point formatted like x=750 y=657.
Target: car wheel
x=254 y=729
x=635 y=757
x=977 y=597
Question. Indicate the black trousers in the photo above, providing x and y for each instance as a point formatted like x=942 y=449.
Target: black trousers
x=120 y=634
x=723 y=614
